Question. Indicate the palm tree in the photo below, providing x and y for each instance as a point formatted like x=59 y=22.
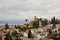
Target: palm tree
x=26 y=22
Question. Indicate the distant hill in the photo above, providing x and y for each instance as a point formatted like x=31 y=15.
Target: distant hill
x=1 y=22
x=14 y=21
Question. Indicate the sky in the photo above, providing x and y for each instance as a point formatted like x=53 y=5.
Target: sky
x=24 y=9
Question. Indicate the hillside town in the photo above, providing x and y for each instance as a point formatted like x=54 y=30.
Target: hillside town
x=37 y=29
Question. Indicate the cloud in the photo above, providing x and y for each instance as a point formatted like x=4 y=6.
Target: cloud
x=21 y=9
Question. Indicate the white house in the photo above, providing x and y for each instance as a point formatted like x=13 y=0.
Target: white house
x=25 y=34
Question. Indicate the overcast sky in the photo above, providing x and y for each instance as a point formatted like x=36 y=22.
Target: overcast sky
x=22 y=9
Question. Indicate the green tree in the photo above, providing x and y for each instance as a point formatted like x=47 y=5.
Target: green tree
x=0 y=37
x=15 y=35
x=8 y=36
x=6 y=26
x=56 y=36
x=53 y=21
x=35 y=24
x=56 y=21
x=43 y=22
x=29 y=34
x=17 y=26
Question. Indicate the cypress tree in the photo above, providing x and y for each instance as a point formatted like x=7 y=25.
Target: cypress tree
x=6 y=26
x=29 y=34
x=53 y=22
